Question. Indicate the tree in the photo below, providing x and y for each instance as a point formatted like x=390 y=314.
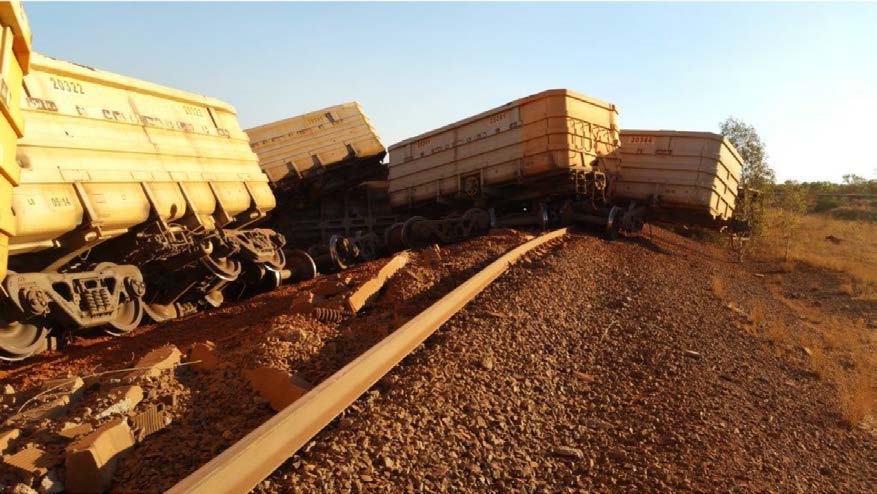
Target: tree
x=756 y=177
x=791 y=204
x=854 y=180
x=756 y=174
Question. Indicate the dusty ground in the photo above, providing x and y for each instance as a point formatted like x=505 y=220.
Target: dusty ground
x=212 y=410
x=601 y=366
x=608 y=367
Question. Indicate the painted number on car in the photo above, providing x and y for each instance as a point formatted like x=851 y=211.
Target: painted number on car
x=65 y=85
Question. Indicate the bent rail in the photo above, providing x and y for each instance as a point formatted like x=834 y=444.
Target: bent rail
x=247 y=462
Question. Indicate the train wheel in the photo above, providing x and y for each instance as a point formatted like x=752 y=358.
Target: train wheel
x=393 y=237
x=342 y=252
x=128 y=317
x=412 y=236
x=368 y=246
x=301 y=265
x=273 y=278
x=161 y=313
x=21 y=340
x=477 y=221
x=613 y=223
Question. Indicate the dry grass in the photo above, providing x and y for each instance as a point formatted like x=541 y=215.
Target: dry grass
x=756 y=315
x=854 y=251
x=856 y=397
x=840 y=350
x=717 y=285
x=819 y=361
x=776 y=332
x=847 y=361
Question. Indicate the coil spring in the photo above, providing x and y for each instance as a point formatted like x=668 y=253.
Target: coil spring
x=328 y=315
x=96 y=301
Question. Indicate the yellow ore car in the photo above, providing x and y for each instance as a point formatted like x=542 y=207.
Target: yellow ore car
x=15 y=42
x=320 y=152
x=133 y=197
x=523 y=149
x=685 y=174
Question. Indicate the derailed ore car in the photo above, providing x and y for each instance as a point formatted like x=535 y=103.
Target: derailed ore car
x=132 y=199
x=549 y=159
x=327 y=170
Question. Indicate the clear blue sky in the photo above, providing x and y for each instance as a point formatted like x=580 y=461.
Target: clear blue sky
x=804 y=74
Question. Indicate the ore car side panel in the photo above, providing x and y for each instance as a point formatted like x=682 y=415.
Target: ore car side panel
x=696 y=171
x=106 y=149
x=530 y=138
x=15 y=47
x=323 y=138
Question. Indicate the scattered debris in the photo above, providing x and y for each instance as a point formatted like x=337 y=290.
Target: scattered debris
x=302 y=304
x=67 y=385
x=693 y=354
x=276 y=386
x=91 y=460
x=293 y=335
x=155 y=362
x=367 y=291
x=327 y=315
x=737 y=310
x=124 y=399
x=328 y=288
x=72 y=431
x=568 y=452
x=588 y=378
x=31 y=463
x=50 y=410
x=7 y=437
x=51 y=484
x=148 y=422
x=432 y=256
x=203 y=356
x=23 y=489
x=70 y=388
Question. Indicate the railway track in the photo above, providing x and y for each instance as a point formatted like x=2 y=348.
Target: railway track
x=239 y=468
x=546 y=381
x=247 y=334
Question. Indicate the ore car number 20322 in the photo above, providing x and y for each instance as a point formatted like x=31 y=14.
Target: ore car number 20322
x=69 y=86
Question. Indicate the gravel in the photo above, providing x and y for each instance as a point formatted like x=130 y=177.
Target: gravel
x=601 y=366
x=608 y=366
x=209 y=411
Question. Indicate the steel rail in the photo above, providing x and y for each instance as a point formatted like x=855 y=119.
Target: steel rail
x=242 y=466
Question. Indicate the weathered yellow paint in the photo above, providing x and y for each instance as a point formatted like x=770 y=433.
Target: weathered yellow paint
x=543 y=133
x=15 y=43
x=322 y=138
x=102 y=149
x=697 y=171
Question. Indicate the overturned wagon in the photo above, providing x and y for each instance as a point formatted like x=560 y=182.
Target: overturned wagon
x=327 y=169
x=133 y=198
x=681 y=176
x=535 y=161
x=320 y=152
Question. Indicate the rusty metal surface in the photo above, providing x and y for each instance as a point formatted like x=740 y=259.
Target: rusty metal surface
x=300 y=145
x=249 y=461
x=697 y=171
x=532 y=138
x=15 y=44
